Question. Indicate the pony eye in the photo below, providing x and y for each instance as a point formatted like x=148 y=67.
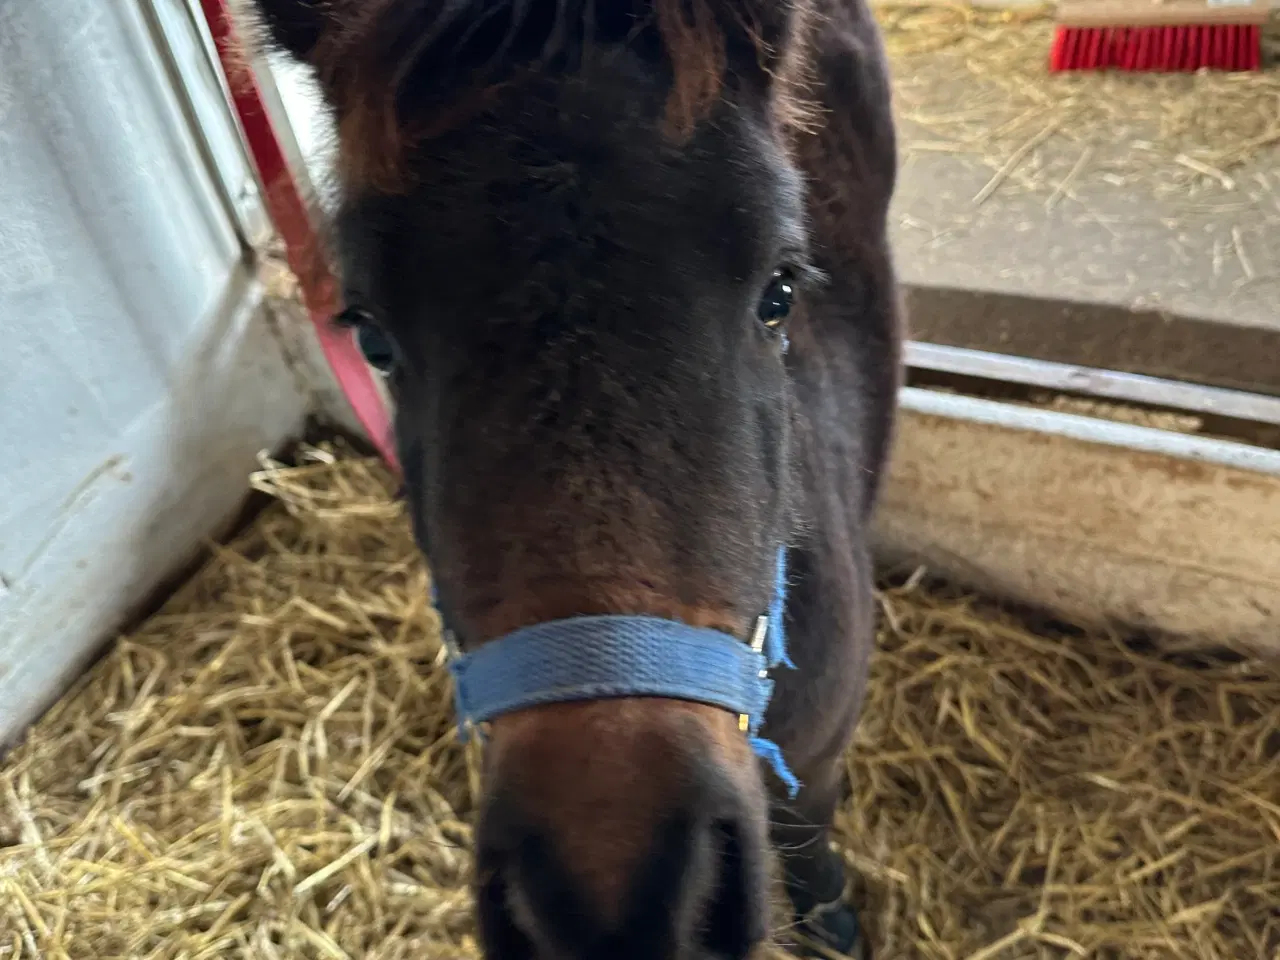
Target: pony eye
x=379 y=349
x=778 y=298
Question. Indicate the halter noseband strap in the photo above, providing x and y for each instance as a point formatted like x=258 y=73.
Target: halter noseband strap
x=601 y=657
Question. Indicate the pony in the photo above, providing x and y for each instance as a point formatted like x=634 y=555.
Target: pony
x=624 y=265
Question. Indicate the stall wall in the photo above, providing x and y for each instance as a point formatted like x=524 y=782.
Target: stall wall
x=139 y=376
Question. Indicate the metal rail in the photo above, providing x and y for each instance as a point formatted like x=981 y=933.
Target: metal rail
x=1091 y=381
x=1227 y=453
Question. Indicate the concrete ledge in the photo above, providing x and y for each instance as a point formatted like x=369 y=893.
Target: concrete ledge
x=1105 y=523
x=1104 y=335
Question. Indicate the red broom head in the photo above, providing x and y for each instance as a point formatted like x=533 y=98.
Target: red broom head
x=1164 y=49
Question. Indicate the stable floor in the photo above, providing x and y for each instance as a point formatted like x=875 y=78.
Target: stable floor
x=267 y=768
x=1144 y=191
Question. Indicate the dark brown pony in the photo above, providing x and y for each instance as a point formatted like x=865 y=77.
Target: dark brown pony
x=577 y=234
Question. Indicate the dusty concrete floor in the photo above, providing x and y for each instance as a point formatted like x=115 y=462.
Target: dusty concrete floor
x=1106 y=243
x=1074 y=205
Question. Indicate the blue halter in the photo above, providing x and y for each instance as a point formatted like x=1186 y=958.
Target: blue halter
x=595 y=658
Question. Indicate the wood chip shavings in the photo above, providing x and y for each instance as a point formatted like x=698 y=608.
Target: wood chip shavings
x=267 y=768
x=973 y=80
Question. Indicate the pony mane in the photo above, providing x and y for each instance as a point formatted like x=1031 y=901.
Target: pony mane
x=402 y=71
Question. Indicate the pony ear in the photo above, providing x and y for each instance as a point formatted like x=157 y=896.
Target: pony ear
x=295 y=27
x=760 y=33
x=747 y=44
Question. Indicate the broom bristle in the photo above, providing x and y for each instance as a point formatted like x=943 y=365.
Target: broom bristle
x=1165 y=49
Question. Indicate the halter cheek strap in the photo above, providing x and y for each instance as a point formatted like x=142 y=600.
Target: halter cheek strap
x=602 y=657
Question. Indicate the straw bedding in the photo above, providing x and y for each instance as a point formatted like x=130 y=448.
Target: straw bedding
x=266 y=768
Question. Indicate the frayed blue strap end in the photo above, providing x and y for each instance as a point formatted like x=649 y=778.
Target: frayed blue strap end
x=460 y=709
x=769 y=752
x=775 y=644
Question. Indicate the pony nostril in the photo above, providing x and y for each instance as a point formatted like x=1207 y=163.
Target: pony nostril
x=531 y=906
x=698 y=892
x=503 y=939
x=735 y=920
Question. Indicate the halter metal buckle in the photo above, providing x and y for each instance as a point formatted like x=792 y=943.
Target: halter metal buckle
x=758 y=636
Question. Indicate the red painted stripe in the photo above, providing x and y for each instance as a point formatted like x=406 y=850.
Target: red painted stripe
x=303 y=250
